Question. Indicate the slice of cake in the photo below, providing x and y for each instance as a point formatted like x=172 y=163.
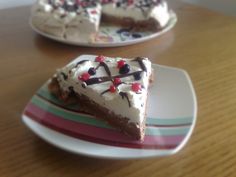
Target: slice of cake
x=67 y=19
x=144 y=14
x=113 y=89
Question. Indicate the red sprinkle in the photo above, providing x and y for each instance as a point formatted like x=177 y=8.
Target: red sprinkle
x=83 y=4
x=93 y=12
x=100 y=58
x=120 y=63
x=136 y=87
x=84 y=76
x=64 y=96
x=117 y=81
x=130 y=2
x=105 y=1
x=112 y=89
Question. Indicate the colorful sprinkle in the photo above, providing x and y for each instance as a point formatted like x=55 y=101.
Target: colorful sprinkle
x=100 y=58
x=117 y=81
x=136 y=87
x=112 y=89
x=92 y=71
x=137 y=76
x=84 y=76
x=120 y=63
x=93 y=12
x=124 y=69
x=130 y=2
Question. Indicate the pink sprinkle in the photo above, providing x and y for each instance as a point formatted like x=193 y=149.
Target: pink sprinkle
x=117 y=81
x=84 y=76
x=100 y=58
x=136 y=87
x=112 y=89
x=120 y=63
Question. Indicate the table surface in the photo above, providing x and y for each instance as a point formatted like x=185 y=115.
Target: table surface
x=203 y=43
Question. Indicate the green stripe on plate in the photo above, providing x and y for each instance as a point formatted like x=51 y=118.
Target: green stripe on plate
x=170 y=131
x=169 y=121
x=69 y=115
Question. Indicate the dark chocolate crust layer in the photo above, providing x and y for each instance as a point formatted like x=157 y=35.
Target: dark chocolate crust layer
x=149 y=24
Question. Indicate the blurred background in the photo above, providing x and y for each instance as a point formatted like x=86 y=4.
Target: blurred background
x=224 y=6
x=13 y=3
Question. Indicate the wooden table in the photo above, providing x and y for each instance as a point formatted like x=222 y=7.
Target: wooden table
x=203 y=43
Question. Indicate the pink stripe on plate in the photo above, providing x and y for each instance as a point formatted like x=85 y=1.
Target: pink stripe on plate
x=93 y=132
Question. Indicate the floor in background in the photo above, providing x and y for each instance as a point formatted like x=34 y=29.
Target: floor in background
x=227 y=7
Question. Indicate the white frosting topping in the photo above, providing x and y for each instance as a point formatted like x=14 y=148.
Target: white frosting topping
x=132 y=107
x=160 y=13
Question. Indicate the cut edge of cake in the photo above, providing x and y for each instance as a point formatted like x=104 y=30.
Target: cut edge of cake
x=154 y=15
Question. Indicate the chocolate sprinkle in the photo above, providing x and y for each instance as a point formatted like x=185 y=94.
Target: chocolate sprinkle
x=83 y=85
x=125 y=95
x=65 y=77
x=80 y=62
x=105 y=91
x=137 y=76
x=106 y=68
x=95 y=80
x=140 y=61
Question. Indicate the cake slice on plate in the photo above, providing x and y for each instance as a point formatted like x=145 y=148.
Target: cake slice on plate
x=113 y=89
x=67 y=18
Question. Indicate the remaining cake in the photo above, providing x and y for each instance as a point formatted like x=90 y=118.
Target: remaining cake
x=80 y=19
x=114 y=89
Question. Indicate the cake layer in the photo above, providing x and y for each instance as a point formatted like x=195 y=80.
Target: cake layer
x=127 y=22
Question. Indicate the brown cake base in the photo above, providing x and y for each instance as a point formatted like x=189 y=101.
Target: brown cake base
x=149 y=24
x=134 y=130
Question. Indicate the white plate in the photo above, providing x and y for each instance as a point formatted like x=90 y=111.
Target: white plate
x=114 y=36
x=171 y=118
